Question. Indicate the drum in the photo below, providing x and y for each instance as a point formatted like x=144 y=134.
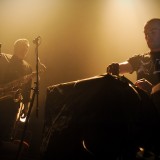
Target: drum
x=103 y=116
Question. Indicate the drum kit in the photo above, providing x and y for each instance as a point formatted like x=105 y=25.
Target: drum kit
x=100 y=117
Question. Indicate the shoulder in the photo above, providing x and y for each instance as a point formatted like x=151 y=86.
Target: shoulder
x=140 y=56
x=5 y=57
x=146 y=55
x=135 y=57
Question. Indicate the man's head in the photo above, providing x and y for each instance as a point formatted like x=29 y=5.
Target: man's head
x=152 y=34
x=21 y=47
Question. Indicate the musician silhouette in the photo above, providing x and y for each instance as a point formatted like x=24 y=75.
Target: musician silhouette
x=13 y=93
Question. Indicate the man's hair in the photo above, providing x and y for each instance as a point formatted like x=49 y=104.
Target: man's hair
x=20 y=44
x=151 y=21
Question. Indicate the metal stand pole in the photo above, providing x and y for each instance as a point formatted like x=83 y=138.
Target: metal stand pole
x=35 y=92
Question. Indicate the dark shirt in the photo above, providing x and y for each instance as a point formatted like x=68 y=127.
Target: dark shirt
x=17 y=69
x=147 y=66
x=12 y=68
x=4 y=62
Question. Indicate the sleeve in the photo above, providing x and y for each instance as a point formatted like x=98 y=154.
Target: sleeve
x=135 y=61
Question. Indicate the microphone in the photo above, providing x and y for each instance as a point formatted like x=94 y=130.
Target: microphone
x=35 y=41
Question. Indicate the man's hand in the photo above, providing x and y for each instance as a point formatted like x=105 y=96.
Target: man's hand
x=144 y=85
x=113 y=69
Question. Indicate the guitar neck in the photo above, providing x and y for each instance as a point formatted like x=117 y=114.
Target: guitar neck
x=7 y=90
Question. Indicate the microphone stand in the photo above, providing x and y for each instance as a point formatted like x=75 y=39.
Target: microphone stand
x=36 y=41
x=35 y=92
x=0 y=49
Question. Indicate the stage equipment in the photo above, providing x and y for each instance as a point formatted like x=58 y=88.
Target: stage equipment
x=102 y=117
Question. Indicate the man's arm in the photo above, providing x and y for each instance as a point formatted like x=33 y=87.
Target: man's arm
x=125 y=67
x=119 y=68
